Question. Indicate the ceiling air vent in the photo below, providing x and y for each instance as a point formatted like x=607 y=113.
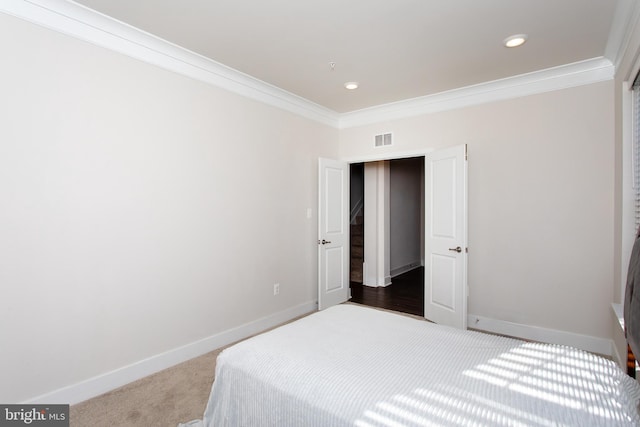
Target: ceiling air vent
x=383 y=139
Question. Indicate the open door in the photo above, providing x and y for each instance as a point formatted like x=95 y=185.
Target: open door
x=333 y=233
x=445 y=296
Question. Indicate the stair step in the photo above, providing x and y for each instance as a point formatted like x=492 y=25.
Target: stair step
x=357 y=249
x=356 y=276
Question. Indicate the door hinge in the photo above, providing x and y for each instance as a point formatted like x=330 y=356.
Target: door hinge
x=466 y=154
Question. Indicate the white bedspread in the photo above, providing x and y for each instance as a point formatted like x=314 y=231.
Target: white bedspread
x=356 y=366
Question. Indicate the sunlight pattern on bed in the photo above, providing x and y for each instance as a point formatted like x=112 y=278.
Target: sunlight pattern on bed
x=355 y=366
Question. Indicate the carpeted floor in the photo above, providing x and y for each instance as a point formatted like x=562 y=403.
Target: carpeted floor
x=178 y=394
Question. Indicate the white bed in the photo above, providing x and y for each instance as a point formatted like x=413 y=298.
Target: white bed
x=356 y=366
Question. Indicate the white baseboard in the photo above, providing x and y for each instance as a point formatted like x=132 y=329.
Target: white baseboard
x=619 y=341
x=108 y=381
x=403 y=269
x=585 y=342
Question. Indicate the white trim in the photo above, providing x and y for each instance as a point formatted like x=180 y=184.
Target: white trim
x=618 y=329
x=405 y=268
x=625 y=19
x=387 y=156
x=615 y=356
x=85 y=24
x=556 y=78
x=618 y=312
x=585 y=342
x=111 y=380
x=627 y=216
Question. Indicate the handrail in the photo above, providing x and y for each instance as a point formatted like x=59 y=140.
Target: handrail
x=356 y=210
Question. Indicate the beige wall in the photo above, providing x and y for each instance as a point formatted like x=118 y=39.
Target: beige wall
x=141 y=210
x=541 y=215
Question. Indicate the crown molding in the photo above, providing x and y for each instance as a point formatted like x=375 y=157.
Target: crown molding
x=625 y=21
x=556 y=78
x=88 y=25
x=77 y=21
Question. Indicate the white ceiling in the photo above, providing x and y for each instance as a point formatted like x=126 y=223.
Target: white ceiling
x=395 y=49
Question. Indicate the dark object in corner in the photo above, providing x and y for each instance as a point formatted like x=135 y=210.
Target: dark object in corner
x=632 y=299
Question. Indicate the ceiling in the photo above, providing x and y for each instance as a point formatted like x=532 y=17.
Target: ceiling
x=395 y=49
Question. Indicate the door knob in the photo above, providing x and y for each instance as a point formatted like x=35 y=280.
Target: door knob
x=458 y=249
x=324 y=242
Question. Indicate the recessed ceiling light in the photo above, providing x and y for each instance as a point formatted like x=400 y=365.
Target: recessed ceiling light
x=515 y=40
x=351 y=85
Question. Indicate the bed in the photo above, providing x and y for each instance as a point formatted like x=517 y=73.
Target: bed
x=351 y=365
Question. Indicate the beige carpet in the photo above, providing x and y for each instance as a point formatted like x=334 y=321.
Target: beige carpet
x=175 y=395
x=178 y=394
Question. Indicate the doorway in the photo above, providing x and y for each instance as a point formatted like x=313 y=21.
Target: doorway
x=405 y=238
x=445 y=233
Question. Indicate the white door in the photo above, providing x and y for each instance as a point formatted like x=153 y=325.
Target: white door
x=333 y=233
x=445 y=296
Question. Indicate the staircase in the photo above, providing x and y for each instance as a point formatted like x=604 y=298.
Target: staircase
x=357 y=247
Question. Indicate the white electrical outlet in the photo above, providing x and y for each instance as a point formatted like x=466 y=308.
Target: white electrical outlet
x=276 y=289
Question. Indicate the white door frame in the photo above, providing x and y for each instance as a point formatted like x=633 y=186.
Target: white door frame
x=389 y=156
x=326 y=299
x=402 y=155
x=377 y=268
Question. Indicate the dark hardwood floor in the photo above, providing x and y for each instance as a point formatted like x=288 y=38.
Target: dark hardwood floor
x=405 y=293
